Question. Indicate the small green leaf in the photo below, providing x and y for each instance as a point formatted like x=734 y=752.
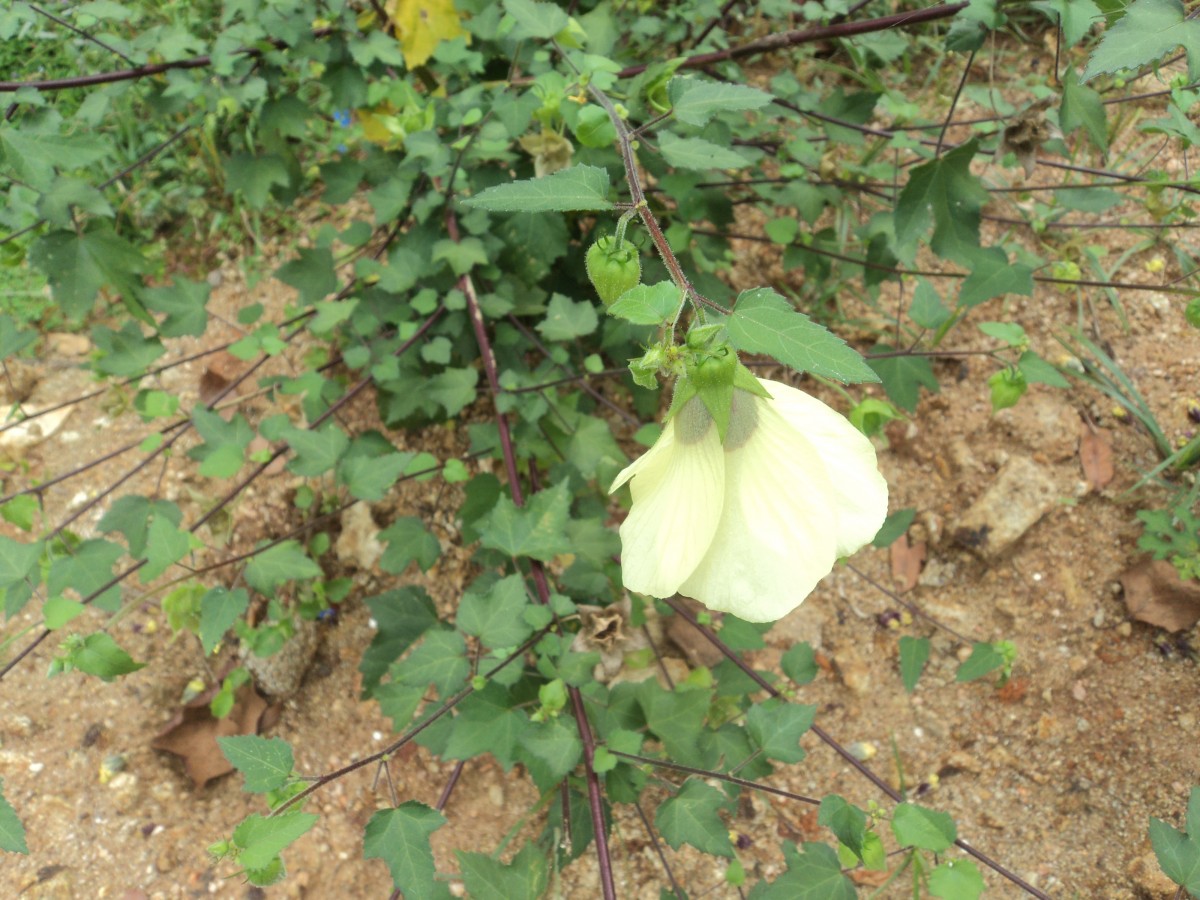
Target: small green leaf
x=401 y=617
x=690 y=817
x=497 y=617
x=224 y=449
x=261 y=839
x=914 y=653
x=813 y=874
x=1082 y=106
x=945 y=192
x=1008 y=386
x=526 y=876
x=400 y=837
x=845 y=820
x=776 y=727
x=440 y=659
x=1148 y=31
x=183 y=304
x=266 y=763
x=18 y=561
x=552 y=750
x=166 y=544
x=127 y=352
x=893 y=527
x=925 y=829
x=535 y=20
x=99 y=655
x=567 y=319
x=369 y=477
x=764 y=322
x=992 y=275
x=698 y=154
x=219 y=609
x=648 y=304
x=277 y=565
x=77 y=265
x=903 y=376
x=800 y=663
x=1037 y=371
x=984 y=659
x=317 y=451
x=132 y=515
x=313 y=274
x=58 y=611
x=695 y=101
x=20 y=511
x=12 y=832
x=577 y=189
x=537 y=530
x=408 y=541
x=956 y=879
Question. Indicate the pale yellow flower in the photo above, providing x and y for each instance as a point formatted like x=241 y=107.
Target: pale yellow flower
x=751 y=526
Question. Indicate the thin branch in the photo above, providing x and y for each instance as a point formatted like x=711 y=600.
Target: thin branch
x=79 y=31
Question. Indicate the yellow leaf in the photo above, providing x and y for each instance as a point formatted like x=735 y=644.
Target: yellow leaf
x=423 y=24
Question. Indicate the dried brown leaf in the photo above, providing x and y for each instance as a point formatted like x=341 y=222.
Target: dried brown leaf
x=193 y=731
x=907 y=562
x=1155 y=593
x=1096 y=455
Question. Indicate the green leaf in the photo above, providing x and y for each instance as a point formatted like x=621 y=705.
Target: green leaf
x=453 y=389
x=165 y=546
x=914 y=653
x=537 y=530
x=86 y=570
x=893 y=527
x=219 y=609
x=317 y=451
x=254 y=176
x=567 y=319
x=369 y=477
x=925 y=829
x=132 y=515
x=20 y=511
x=555 y=749
x=577 y=189
x=99 y=655
x=487 y=723
x=261 y=839
x=776 y=727
x=1149 y=30
x=1008 y=386
x=535 y=20
x=845 y=820
x=695 y=101
x=77 y=265
x=1075 y=17
x=58 y=611
x=12 y=832
x=408 y=541
x=440 y=660
x=400 y=837
x=942 y=191
x=277 y=565
x=1177 y=853
x=903 y=376
x=224 y=449
x=956 y=879
x=266 y=763
x=992 y=275
x=800 y=663
x=764 y=322
x=813 y=874
x=127 y=353
x=1037 y=371
x=12 y=338
x=312 y=274
x=984 y=659
x=648 y=304
x=690 y=817
x=17 y=562
x=401 y=617
x=698 y=154
x=496 y=618
x=526 y=876
x=183 y=303
x=33 y=155
x=927 y=309
x=1082 y=106
x=675 y=716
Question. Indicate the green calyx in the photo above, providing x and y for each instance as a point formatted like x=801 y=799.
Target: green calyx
x=613 y=267
x=712 y=373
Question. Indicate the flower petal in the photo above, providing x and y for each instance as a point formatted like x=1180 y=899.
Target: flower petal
x=677 y=488
x=860 y=492
x=775 y=540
